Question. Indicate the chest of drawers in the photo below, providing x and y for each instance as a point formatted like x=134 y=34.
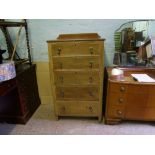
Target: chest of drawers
x=19 y=97
x=129 y=99
x=76 y=70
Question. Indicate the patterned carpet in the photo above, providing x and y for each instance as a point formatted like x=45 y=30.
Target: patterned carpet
x=42 y=123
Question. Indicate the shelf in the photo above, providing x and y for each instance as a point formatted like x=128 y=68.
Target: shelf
x=4 y=27
x=11 y=24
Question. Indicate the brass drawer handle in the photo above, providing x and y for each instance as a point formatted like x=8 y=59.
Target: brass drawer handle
x=91 y=50
x=120 y=100
x=59 y=51
x=90 y=80
x=91 y=109
x=122 y=89
x=91 y=94
x=90 y=64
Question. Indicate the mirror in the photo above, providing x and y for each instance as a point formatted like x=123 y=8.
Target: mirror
x=135 y=43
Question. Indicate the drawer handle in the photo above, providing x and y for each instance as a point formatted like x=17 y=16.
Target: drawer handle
x=91 y=109
x=59 y=51
x=90 y=80
x=61 y=79
x=91 y=50
x=119 y=112
x=122 y=89
x=90 y=64
x=120 y=100
x=91 y=94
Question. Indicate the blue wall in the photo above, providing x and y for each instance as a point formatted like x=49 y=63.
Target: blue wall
x=41 y=30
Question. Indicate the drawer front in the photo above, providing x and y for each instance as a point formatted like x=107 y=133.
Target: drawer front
x=138 y=113
x=129 y=88
x=138 y=89
x=75 y=48
x=77 y=108
x=76 y=62
x=117 y=87
x=137 y=100
x=115 y=112
x=77 y=93
x=92 y=48
x=76 y=78
x=117 y=99
x=6 y=86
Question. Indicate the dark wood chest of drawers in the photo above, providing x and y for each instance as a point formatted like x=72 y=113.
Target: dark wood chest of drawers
x=19 y=97
x=76 y=68
x=129 y=99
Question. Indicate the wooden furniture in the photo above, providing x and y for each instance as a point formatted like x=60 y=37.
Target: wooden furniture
x=19 y=97
x=4 y=27
x=128 y=99
x=76 y=69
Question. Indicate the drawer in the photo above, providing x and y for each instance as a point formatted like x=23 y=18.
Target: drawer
x=77 y=108
x=139 y=113
x=138 y=89
x=115 y=112
x=117 y=99
x=92 y=48
x=75 y=48
x=89 y=62
x=77 y=93
x=117 y=87
x=137 y=100
x=76 y=78
x=6 y=86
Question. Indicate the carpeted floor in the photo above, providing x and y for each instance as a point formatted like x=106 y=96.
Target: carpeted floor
x=42 y=123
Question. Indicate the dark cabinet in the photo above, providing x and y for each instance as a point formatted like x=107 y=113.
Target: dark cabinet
x=19 y=97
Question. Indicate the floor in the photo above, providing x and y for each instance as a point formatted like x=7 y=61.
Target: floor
x=43 y=123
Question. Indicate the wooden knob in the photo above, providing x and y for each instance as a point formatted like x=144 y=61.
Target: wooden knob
x=91 y=94
x=59 y=51
x=91 y=109
x=91 y=50
x=90 y=64
x=120 y=100
x=122 y=89
x=119 y=112
x=90 y=79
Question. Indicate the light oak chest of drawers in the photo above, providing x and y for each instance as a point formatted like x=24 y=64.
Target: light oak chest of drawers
x=76 y=70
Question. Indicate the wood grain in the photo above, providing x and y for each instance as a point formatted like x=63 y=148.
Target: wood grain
x=76 y=70
x=129 y=99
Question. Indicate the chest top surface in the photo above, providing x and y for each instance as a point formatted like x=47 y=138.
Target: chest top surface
x=77 y=37
x=127 y=78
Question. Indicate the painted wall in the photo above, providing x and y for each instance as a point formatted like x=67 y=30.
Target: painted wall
x=41 y=30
